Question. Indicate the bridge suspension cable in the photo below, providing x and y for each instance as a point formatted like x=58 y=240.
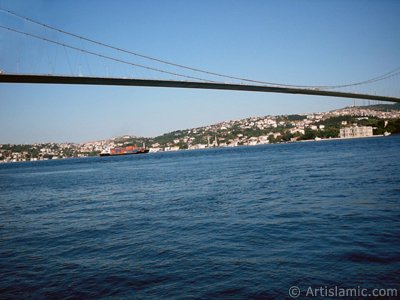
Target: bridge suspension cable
x=102 y=55
x=392 y=73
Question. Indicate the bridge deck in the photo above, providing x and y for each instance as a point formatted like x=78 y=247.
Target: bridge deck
x=53 y=79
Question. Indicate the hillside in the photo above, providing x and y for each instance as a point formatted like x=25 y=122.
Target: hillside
x=383 y=118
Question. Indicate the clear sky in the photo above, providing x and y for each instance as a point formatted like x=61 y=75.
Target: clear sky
x=308 y=42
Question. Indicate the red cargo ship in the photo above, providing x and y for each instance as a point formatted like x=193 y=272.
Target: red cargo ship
x=125 y=151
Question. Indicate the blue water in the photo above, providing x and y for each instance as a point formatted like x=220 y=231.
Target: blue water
x=245 y=222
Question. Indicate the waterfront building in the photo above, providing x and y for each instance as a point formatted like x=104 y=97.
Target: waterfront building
x=356 y=131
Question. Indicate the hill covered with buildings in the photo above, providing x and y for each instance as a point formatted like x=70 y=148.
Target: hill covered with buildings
x=356 y=121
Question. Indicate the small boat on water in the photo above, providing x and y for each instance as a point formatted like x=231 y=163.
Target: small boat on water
x=128 y=150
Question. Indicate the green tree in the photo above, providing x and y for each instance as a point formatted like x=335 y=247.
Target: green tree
x=309 y=134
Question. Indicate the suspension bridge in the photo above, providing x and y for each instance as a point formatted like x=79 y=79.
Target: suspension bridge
x=52 y=79
x=190 y=81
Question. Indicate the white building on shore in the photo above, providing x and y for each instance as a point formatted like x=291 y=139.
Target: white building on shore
x=356 y=131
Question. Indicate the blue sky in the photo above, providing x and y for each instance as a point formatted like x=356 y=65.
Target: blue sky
x=293 y=42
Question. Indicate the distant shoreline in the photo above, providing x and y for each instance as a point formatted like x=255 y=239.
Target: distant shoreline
x=294 y=142
x=339 y=138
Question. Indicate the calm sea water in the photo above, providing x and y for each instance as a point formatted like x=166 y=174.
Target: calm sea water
x=246 y=222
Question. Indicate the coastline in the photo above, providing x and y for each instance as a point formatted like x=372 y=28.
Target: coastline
x=218 y=147
x=339 y=138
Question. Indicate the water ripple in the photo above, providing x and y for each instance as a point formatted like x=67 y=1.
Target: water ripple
x=235 y=223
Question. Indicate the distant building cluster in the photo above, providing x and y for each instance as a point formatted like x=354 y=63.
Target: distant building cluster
x=350 y=123
x=365 y=112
